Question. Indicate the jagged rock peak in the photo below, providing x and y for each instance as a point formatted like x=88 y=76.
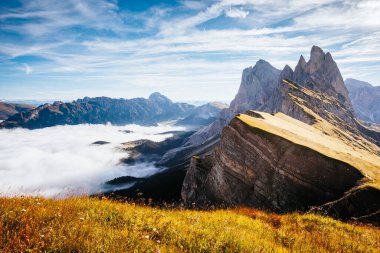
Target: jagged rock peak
x=262 y=65
x=287 y=72
x=322 y=73
x=301 y=61
x=316 y=54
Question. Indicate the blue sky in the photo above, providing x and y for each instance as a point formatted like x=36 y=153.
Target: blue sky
x=188 y=50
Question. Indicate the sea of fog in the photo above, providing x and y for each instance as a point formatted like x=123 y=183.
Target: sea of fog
x=60 y=161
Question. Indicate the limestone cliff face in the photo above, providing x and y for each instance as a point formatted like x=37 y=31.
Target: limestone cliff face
x=282 y=163
x=317 y=84
x=310 y=151
x=277 y=163
x=258 y=84
x=253 y=167
x=297 y=101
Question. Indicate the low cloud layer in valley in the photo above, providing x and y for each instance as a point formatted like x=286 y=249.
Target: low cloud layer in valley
x=60 y=161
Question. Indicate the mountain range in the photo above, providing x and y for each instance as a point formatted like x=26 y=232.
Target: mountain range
x=261 y=89
x=289 y=141
x=10 y=109
x=365 y=99
x=101 y=110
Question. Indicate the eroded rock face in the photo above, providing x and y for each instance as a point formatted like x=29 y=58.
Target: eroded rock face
x=258 y=84
x=253 y=167
x=359 y=204
x=319 y=156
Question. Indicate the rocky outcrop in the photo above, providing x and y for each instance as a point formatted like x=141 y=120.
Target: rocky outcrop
x=258 y=84
x=101 y=110
x=277 y=163
x=310 y=151
x=359 y=204
x=365 y=99
x=322 y=73
x=262 y=89
x=10 y=109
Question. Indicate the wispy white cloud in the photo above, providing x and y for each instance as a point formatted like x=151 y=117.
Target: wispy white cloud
x=236 y=13
x=27 y=69
x=47 y=17
x=176 y=46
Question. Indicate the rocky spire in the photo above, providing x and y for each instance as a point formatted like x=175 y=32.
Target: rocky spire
x=286 y=73
x=322 y=73
x=257 y=85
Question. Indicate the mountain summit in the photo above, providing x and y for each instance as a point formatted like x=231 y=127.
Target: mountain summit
x=321 y=72
x=262 y=88
x=309 y=150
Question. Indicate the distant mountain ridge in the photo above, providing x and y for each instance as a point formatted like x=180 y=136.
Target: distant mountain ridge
x=9 y=109
x=203 y=115
x=365 y=99
x=101 y=110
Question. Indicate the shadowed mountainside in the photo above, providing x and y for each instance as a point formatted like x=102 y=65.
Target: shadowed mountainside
x=365 y=99
x=203 y=115
x=101 y=110
x=10 y=109
x=277 y=163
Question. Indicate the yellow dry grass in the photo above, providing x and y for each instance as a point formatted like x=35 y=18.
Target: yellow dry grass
x=93 y=225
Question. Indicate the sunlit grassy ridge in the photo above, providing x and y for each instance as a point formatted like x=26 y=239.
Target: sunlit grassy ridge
x=93 y=225
x=322 y=138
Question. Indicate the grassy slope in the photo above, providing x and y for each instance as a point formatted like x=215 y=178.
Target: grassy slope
x=92 y=225
x=324 y=138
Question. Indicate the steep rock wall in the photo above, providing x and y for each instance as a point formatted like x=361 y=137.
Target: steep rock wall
x=252 y=167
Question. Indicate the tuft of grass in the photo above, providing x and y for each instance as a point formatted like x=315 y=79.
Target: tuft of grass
x=101 y=225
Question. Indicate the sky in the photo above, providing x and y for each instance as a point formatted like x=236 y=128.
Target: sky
x=185 y=49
